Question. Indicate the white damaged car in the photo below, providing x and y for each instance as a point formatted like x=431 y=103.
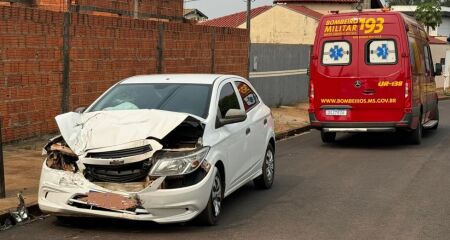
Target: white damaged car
x=162 y=148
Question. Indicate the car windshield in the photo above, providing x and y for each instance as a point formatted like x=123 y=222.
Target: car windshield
x=187 y=98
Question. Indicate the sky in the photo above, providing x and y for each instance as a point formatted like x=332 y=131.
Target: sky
x=218 y=8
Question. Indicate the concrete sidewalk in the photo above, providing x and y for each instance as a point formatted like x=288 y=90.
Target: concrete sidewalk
x=23 y=160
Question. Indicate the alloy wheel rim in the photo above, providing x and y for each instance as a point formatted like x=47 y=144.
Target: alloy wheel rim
x=217 y=195
x=269 y=165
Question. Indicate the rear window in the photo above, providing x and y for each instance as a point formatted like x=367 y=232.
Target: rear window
x=381 y=52
x=336 y=53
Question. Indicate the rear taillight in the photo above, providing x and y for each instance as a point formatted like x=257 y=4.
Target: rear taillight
x=407 y=97
x=311 y=97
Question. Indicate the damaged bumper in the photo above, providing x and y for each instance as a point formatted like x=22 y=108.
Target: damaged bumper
x=71 y=194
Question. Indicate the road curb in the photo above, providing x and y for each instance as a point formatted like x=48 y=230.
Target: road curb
x=289 y=133
x=443 y=98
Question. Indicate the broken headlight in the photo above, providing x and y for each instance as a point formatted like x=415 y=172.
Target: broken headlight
x=60 y=156
x=178 y=163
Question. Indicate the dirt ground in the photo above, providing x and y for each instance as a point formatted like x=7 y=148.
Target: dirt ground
x=290 y=117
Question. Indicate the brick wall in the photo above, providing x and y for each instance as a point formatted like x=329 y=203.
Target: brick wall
x=169 y=9
x=30 y=71
x=102 y=51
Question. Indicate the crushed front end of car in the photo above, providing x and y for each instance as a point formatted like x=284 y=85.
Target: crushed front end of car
x=152 y=167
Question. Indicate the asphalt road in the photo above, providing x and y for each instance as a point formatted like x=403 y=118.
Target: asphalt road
x=365 y=186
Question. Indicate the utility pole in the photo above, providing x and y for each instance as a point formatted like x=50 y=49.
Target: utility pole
x=249 y=18
x=249 y=13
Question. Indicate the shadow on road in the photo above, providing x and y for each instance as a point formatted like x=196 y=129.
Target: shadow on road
x=232 y=215
x=388 y=141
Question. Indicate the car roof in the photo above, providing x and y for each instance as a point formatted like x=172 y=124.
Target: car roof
x=176 y=78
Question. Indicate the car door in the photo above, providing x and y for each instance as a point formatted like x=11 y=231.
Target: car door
x=257 y=126
x=234 y=143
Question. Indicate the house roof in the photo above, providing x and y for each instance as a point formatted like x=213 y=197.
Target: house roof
x=374 y=3
x=315 y=1
x=434 y=40
x=305 y=11
x=236 y=19
x=194 y=11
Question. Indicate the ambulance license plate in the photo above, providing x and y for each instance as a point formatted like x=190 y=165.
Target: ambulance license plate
x=336 y=112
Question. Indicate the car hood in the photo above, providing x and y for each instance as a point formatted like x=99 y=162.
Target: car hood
x=92 y=130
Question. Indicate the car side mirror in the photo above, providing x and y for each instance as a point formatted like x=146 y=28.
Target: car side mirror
x=438 y=69
x=80 y=109
x=232 y=116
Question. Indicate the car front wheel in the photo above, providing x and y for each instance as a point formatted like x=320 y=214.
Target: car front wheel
x=265 y=181
x=212 y=211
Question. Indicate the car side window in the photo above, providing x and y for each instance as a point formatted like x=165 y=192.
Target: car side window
x=248 y=96
x=228 y=99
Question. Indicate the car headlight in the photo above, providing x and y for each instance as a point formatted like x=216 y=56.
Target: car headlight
x=177 y=163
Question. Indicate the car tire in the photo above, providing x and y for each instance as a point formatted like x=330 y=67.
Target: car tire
x=436 y=117
x=328 y=137
x=265 y=181
x=211 y=213
x=416 y=134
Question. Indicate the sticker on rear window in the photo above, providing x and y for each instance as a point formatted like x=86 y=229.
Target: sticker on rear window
x=382 y=52
x=336 y=53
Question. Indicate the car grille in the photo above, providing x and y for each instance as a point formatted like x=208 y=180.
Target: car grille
x=120 y=153
x=118 y=173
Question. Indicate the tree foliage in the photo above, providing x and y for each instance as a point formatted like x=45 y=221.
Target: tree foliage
x=428 y=12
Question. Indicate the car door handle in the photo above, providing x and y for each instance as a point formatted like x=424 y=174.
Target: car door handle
x=265 y=121
x=247 y=132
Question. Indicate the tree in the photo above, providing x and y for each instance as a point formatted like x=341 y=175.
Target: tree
x=428 y=12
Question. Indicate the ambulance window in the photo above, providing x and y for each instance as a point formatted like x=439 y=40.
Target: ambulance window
x=428 y=64
x=412 y=55
x=381 y=52
x=336 y=53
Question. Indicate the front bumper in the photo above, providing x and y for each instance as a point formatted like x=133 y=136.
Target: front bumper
x=57 y=188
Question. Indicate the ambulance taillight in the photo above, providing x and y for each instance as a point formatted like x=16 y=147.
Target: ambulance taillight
x=407 y=97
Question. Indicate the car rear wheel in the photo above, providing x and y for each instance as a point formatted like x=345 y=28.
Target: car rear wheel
x=328 y=137
x=212 y=211
x=416 y=134
x=265 y=181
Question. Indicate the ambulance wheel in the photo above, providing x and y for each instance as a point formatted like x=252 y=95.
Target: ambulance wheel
x=416 y=134
x=328 y=137
x=436 y=117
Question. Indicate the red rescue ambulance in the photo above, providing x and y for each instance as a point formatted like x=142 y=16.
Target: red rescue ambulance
x=372 y=72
